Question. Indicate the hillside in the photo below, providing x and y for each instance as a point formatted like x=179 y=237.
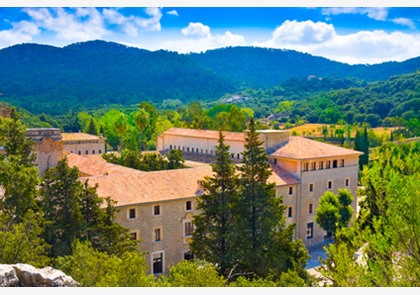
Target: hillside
x=88 y=75
x=54 y=80
x=266 y=67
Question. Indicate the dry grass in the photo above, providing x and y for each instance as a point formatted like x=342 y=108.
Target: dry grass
x=316 y=129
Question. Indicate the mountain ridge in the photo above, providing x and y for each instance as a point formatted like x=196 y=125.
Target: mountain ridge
x=45 y=78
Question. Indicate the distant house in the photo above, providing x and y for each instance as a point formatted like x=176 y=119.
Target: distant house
x=83 y=143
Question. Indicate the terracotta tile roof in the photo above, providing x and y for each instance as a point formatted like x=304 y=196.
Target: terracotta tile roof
x=281 y=177
x=78 y=136
x=90 y=165
x=302 y=148
x=232 y=136
x=137 y=188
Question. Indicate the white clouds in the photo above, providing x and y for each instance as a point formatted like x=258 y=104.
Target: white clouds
x=377 y=13
x=306 y=32
x=132 y=25
x=21 y=32
x=404 y=21
x=173 y=12
x=78 y=24
x=361 y=47
x=196 y=30
x=199 y=38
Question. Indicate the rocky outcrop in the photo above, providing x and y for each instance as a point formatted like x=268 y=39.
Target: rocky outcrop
x=25 y=275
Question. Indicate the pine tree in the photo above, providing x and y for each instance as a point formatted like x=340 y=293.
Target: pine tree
x=212 y=237
x=261 y=230
x=18 y=173
x=60 y=193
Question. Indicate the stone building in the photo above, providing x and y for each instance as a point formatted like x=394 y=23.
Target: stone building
x=83 y=143
x=48 y=147
x=158 y=207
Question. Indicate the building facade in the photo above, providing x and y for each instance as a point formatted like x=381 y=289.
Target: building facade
x=83 y=143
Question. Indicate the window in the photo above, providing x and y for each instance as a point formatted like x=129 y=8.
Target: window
x=313 y=165
x=305 y=166
x=93 y=152
x=157 y=259
x=100 y=151
x=133 y=236
x=310 y=230
x=347 y=182
x=79 y=152
x=170 y=146
x=157 y=233
x=188 y=255
x=329 y=184
x=311 y=208
x=311 y=187
x=321 y=165
x=188 y=228
x=188 y=206
x=87 y=152
x=290 y=190
x=328 y=165
x=275 y=161
x=156 y=210
x=335 y=164
x=342 y=163
x=289 y=212
x=132 y=213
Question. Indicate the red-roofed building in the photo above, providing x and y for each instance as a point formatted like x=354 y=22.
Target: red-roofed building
x=158 y=207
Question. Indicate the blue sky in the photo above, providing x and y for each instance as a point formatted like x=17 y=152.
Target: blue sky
x=351 y=34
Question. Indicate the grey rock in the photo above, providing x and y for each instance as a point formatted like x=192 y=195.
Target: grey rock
x=29 y=276
x=8 y=277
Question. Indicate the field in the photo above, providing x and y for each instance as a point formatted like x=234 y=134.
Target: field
x=315 y=130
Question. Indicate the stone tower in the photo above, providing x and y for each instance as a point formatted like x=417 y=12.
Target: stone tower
x=48 y=147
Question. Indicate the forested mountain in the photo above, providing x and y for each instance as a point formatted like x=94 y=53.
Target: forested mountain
x=53 y=80
x=88 y=75
x=266 y=67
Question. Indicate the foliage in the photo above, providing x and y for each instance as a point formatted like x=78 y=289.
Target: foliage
x=60 y=188
x=18 y=174
x=21 y=242
x=147 y=161
x=92 y=268
x=263 y=241
x=195 y=273
x=73 y=210
x=334 y=211
x=361 y=143
x=213 y=234
x=382 y=248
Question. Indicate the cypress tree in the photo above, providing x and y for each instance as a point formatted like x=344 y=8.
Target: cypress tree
x=92 y=127
x=260 y=213
x=212 y=237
